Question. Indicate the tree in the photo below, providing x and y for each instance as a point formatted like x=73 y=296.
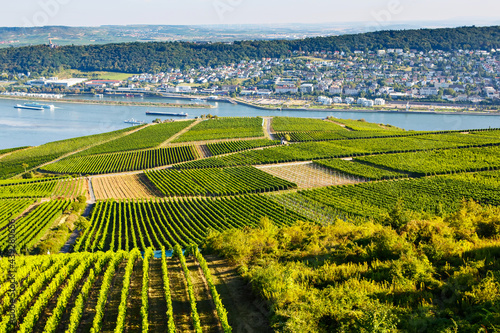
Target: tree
x=25 y=166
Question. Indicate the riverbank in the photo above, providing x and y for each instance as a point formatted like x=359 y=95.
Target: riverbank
x=107 y=102
x=364 y=110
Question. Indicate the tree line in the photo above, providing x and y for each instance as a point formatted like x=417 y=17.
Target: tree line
x=140 y=57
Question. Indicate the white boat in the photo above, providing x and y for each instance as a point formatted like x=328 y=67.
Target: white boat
x=198 y=100
x=37 y=108
x=134 y=122
x=38 y=105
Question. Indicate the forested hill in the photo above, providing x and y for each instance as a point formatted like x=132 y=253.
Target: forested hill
x=155 y=57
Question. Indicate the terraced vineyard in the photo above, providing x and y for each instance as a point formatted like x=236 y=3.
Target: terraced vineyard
x=117 y=292
x=209 y=182
x=120 y=162
x=321 y=150
x=12 y=164
x=124 y=225
x=35 y=189
x=224 y=128
x=365 y=171
x=11 y=208
x=122 y=187
x=70 y=188
x=429 y=194
x=234 y=146
x=33 y=226
x=440 y=161
x=362 y=125
x=289 y=124
x=308 y=175
x=148 y=137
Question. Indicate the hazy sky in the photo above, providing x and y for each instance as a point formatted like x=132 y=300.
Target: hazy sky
x=121 y=12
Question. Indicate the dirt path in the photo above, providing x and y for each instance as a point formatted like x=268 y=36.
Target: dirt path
x=246 y=313
x=268 y=128
x=69 y=243
x=133 y=319
x=91 y=191
x=180 y=298
x=157 y=303
x=204 y=303
x=178 y=134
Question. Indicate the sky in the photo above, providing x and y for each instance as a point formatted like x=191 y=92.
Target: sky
x=193 y=12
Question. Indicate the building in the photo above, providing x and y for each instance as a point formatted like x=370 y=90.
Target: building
x=102 y=83
x=286 y=89
x=307 y=88
x=66 y=83
x=335 y=89
x=429 y=91
x=379 y=101
x=325 y=100
x=349 y=100
x=337 y=100
x=351 y=91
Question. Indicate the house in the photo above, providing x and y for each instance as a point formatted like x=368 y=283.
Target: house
x=379 y=101
x=325 y=100
x=349 y=100
x=429 y=91
x=351 y=91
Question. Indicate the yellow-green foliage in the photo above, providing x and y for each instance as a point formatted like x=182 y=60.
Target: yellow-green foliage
x=431 y=275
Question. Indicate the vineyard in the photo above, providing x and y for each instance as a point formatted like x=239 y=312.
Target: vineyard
x=28 y=189
x=120 y=162
x=70 y=188
x=235 y=146
x=289 y=124
x=440 y=161
x=307 y=151
x=148 y=137
x=356 y=169
x=124 y=225
x=116 y=292
x=210 y=182
x=362 y=125
x=308 y=175
x=223 y=128
x=122 y=187
x=34 y=225
x=12 y=164
x=429 y=194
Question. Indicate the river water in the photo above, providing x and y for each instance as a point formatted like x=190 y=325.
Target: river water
x=69 y=120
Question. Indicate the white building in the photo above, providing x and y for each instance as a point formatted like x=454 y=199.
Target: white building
x=325 y=100
x=337 y=100
x=335 y=89
x=349 y=100
x=307 y=88
x=429 y=91
x=379 y=101
x=286 y=88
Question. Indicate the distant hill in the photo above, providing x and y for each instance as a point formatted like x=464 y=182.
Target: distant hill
x=159 y=56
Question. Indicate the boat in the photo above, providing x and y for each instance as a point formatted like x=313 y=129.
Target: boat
x=38 y=105
x=134 y=122
x=198 y=100
x=163 y=113
x=37 y=108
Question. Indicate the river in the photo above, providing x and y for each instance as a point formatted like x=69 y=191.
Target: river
x=69 y=120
